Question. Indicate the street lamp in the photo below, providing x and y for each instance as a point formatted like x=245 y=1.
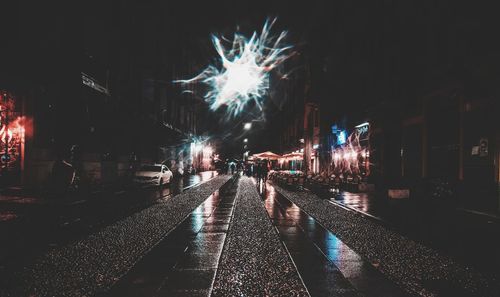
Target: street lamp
x=245 y=140
x=247 y=126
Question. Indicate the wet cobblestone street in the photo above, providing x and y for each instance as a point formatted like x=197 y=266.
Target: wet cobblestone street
x=234 y=236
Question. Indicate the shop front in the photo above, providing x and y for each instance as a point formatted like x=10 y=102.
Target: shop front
x=12 y=141
x=292 y=161
x=350 y=155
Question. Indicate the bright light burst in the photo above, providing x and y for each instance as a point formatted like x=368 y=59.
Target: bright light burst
x=245 y=69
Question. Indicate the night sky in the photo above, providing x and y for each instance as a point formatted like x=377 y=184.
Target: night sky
x=361 y=55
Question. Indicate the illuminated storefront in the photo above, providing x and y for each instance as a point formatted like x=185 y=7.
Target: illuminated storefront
x=351 y=154
x=12 y=139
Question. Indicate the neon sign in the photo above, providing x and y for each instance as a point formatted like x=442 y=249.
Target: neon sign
x=341 y=137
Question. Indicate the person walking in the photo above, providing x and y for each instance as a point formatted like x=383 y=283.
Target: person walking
x=260 y=172
x=265 y=171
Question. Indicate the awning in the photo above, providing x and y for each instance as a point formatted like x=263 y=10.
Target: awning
x=294 y=156
x=267 y=155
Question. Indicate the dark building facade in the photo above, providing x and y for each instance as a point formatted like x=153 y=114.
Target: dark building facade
x=425 y=77
x=99 y=80
x=449 y=139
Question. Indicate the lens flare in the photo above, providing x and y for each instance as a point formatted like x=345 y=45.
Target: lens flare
x=244 y=69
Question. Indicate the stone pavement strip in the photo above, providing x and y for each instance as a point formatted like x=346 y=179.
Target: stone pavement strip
x=254 y=262
x=184 y=262
x=92 y=265
x=327 y=266
x=413 y=266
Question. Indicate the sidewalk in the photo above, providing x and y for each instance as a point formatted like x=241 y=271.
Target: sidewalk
x=19 y=195
x=185 y=261
x=429 y=252
x=15 y=201
x=468 y=236
x=95 y=261
x=327 y=265
x=378 y=207
x=18 y=205
x=33 y=224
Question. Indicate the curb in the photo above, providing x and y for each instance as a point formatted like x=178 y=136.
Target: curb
x=480 y=213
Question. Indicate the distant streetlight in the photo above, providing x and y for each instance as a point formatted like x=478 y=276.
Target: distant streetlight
x=247 y=126
x=245 y=140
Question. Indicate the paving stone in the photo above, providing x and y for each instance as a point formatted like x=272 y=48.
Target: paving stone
x=409 y=264
x=90 y=266
x=253 y=261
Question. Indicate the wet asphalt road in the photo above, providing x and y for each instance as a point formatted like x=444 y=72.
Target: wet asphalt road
x=34 y=225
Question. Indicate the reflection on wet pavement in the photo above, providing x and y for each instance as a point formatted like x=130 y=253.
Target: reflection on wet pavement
x=185 y=261
x=133 y=197
x=436 y=224
x=179 y=185
x=362 y=202
x=327 y=266
x=7 y=216
x=33 y=225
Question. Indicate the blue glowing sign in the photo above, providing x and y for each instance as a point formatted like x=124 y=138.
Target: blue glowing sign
x=335 y=129
x=341 y=137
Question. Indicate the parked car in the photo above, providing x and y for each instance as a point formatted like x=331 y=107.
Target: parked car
x=153 y=174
